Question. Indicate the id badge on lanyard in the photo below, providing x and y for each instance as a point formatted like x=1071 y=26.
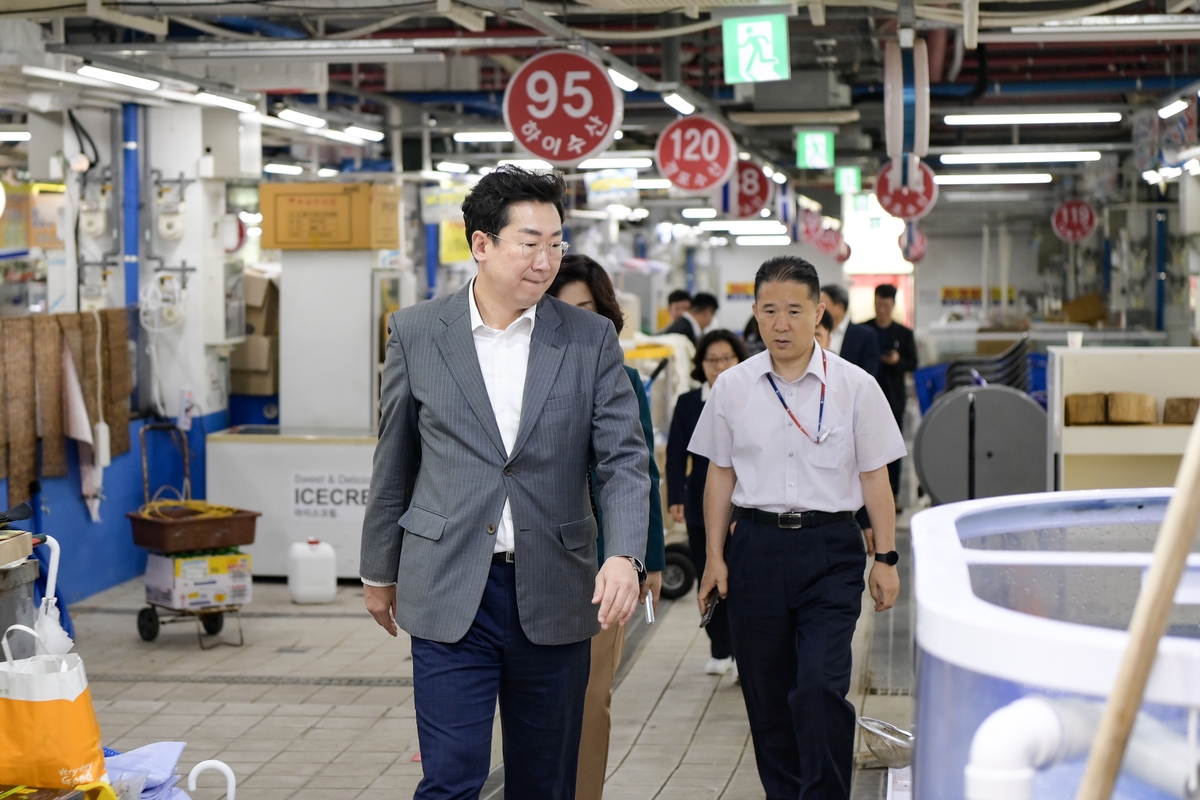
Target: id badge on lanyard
x=822 y=434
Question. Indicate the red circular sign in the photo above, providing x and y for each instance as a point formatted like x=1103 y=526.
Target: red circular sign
x=752 y=189
x=906 y=202
x=920 y=244
x=696 y=153
x=562 y=107
x=1074 y=220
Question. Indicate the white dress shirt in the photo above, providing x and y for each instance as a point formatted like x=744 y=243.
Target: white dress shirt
x=696 y=329
x=837 y=336
x=779 y=468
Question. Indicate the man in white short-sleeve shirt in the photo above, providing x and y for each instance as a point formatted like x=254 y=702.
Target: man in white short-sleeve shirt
x=797 y=439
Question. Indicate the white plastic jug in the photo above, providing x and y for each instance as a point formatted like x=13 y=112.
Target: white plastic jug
x=312 y=572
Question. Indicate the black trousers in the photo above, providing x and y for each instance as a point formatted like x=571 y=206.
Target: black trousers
x=720 y=644
x=794 y=600
x=894 y=467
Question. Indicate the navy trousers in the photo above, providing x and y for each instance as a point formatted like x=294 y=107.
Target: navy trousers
x=720 y=645
x=794 y=600
x=540 y=688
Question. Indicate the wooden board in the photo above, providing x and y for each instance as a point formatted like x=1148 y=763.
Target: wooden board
x=1132 y=408
x=1180 y=410
x=1087 y=409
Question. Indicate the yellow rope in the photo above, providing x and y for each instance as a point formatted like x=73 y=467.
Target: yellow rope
x=156 y=509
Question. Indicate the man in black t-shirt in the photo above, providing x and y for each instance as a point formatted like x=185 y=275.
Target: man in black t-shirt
x=898 y=355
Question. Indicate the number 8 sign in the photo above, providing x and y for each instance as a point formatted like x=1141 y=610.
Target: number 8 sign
x=561 y=107
x=696 y=153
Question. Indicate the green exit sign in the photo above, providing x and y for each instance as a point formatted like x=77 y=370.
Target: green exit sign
x=814 y=149
x=756 y=49
x=847 y=180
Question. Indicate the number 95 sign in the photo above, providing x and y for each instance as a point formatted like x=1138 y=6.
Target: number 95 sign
x=562 y=107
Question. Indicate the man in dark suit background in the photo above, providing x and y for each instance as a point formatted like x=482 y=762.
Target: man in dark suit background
x=855 y=343
x=899 y=355
x=693 y=322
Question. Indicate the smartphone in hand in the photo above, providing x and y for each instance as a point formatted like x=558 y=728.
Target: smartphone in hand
x=709 y=607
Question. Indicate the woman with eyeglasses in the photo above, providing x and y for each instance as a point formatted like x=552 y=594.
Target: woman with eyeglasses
x=717 y=351
x=582 y=282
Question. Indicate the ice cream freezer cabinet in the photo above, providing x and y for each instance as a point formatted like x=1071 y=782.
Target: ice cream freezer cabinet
x=307 y=484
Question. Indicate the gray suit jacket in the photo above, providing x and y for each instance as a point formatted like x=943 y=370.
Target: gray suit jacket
x=441 y=473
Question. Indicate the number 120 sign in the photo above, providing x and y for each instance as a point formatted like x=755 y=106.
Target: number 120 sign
x=562 y=107
x=696 y=153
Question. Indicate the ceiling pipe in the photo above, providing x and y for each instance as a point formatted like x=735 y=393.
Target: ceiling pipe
x=1026 y=89
x=256 y=25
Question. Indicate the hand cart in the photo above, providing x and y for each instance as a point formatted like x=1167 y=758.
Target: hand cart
x=184 y=526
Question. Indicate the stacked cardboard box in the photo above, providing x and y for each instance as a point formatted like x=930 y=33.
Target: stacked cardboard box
x=198 y=582
x=255 y=363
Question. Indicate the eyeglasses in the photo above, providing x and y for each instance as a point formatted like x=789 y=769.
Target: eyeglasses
x=529 y=251
x=721 y=362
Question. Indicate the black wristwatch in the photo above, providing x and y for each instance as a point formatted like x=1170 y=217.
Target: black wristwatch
x=890 y=558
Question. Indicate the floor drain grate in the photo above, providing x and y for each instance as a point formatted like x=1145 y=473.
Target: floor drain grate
x=889 y=691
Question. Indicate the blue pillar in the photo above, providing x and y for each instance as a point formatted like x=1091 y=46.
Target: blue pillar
x=130 y=201
x=1160 y=270
x=431 y=258
x=1107 y=267
x=691 y=270
x=639 y=246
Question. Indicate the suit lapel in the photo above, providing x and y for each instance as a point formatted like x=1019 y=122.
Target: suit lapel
x=546 y=350
x=457 y=345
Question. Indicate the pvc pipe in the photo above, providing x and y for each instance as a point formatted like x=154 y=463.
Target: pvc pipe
x=130 y=201
x=1160 y=269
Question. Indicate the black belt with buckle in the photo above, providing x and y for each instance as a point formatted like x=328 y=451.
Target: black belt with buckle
x=794 y=520
x=503 y=558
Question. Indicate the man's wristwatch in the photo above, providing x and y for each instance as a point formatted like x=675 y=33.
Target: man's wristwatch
x=891 y=558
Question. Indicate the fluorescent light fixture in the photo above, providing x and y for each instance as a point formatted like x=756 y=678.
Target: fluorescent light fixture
x=483 y=136
x=617 y=163
x=763 y=241
x=283 y=169
x=1045 y=118
x=1171 y=109
x=526 y=163
x=250 y=219
x=327 y=172
x=747 y=227
x=766 y=212
x=337 y=136
x=365 y=133
x=779 y=178
x=1170 y=173
x=993 y=178
x=652 y=183
x=1192 y=167
x=208 y=98
x=15 y=136
x=677 y=102
x=299 y=118
x=743 y=156
x=639 y=213
x=1022 y=157
x=453 y=166
x=698 y=213
x=486 y=170
x=623 y=82
x=1152 y=176
x=768 y=170
x=618 y=135
x=121 y=78
x=986 y=197
x=254 y=233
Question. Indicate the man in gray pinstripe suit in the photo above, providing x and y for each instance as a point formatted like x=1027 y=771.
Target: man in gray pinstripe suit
x=479 y=538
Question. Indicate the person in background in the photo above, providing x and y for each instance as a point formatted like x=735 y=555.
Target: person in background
x=693 y=322
x=582 y=282
x=752 y=338
x=797 y=438
x=678 y=302
x=899 y=355
x=855 y=343
x=825 y=330
x=718 y=351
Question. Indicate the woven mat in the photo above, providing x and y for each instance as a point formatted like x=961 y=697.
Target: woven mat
x=3 y=413
x=20 y=396
x=91 y=372
x=118 y=379
x=48 y=366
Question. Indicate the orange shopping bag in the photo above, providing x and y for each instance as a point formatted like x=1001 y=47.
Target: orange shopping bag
x=49 y=736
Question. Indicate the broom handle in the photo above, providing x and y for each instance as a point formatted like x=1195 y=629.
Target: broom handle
x=1150 y=614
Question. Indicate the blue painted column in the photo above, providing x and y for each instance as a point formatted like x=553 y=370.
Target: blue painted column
x=130 y=201
x=691 y=269
x=1160 y=270
x=431 y=258
x=1107 y=267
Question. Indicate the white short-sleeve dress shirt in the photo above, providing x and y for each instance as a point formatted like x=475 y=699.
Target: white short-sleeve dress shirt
x=778 y=467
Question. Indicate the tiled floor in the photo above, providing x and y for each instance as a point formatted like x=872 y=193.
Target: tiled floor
x=318 y=703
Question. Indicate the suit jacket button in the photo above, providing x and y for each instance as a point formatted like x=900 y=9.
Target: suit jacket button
x=491 y=529
x=508 y=472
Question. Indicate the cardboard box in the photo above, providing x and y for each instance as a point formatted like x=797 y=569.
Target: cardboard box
x=330 y=216
x=199 y=582
x=254 y=366
x=262 y=304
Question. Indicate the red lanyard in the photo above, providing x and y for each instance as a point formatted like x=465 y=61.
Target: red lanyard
x=822 y=435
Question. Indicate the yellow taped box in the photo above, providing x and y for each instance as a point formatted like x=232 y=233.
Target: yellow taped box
x=330 y=216
x=199 y=582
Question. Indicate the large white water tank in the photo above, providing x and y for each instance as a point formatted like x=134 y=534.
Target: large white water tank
x=312 y=572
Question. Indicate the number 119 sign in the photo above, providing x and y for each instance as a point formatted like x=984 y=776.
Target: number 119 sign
x=696 y=153
x=562 y=107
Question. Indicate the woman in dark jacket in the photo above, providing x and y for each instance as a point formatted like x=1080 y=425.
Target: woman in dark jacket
x=716 y=352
